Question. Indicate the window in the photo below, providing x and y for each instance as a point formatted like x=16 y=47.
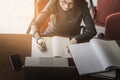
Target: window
x=15 y=15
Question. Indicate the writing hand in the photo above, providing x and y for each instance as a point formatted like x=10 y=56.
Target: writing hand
x=42 y=45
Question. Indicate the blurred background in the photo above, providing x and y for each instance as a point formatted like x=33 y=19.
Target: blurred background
x=16 y=15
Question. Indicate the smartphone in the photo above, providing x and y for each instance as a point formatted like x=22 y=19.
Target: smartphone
x=16 y=62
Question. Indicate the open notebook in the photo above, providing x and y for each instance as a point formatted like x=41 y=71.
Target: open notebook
x=56 y=47
x=96 y=56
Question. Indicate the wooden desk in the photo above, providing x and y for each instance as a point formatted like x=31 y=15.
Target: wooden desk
x=6 y=72
x=13 y=44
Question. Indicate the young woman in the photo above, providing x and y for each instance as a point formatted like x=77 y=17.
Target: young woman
x=65 y=19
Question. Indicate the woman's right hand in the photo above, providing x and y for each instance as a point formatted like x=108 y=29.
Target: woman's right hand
x=42 y=45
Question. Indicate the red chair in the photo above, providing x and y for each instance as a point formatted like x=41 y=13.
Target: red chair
x=38 y=6
x=107 y=14
x=112 y=27
x=103 y=9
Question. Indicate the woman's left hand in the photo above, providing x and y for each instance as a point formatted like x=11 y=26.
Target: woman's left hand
x=73 y=41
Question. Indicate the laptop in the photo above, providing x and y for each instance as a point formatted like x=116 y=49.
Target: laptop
x=47 y=68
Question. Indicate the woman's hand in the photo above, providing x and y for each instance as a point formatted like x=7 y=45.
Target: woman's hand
x=42 y=44
x=73 y=41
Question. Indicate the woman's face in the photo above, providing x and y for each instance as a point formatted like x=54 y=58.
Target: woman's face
x=66 y=4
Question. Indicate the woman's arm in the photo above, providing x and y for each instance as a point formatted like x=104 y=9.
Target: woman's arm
x=43 y=15
x=90 y=28
x=40 y=19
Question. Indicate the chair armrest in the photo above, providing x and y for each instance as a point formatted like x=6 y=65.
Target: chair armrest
x=113 y=16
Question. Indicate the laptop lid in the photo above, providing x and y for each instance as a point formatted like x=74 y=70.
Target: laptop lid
x=46 y=62
x=50 y=67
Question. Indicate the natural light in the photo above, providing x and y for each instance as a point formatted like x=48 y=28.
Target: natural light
x=15 y=15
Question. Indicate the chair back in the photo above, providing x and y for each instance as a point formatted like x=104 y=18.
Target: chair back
x=38 y=6
x=103 y=9
x=112 y=26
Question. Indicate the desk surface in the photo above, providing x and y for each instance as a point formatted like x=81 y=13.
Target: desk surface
x=11 y=44
x=6 y=72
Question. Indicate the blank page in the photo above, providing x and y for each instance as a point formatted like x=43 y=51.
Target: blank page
x=85 y=58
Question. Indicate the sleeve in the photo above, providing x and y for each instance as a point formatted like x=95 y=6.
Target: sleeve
x=45 y=13
x=90 y=28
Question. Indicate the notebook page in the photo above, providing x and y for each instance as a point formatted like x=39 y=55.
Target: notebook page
x=85 y=58
x=99 y=50
x=59 y=45
x=110 y=51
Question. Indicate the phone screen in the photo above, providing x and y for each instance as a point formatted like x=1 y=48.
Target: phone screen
x=16 y=62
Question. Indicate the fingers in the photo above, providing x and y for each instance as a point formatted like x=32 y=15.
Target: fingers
x=42 y=45
x=42 y=49
x=73 y=41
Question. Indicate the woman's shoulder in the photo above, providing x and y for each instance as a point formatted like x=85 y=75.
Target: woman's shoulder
x=51 y=4
x=53 y=1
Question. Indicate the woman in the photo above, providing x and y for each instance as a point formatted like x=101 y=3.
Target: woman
x=65 y=19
